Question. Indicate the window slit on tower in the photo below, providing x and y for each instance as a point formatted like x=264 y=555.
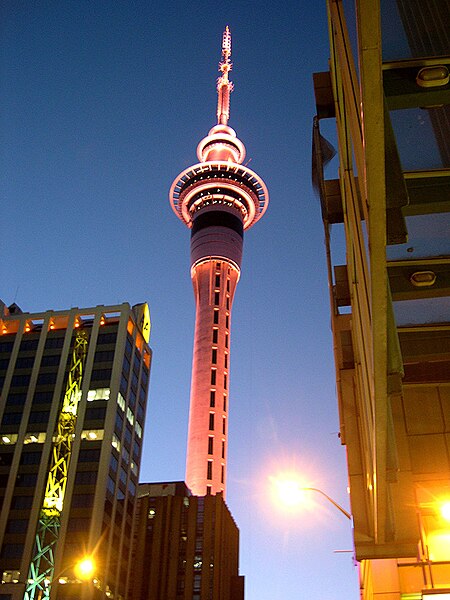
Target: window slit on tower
x=211 y=421
x=216 y=298
x=224 y=403
x=214 y=356
x=228 y=303
x=210 y=445
x=212 y=398
x=223 y=425
x=213 y=376
x=209 y=471
x=217 y=282
x=226 y=340
x=215 y=336
x=216 y=316
x=225 y=381
x=223 y=449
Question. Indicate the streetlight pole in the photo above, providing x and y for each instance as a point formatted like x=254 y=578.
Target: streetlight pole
x=333 y=502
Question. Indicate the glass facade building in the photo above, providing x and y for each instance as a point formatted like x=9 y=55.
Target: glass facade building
x=102 y=467
x=388 y=92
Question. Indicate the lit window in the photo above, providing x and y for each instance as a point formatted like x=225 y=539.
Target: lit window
x=138 y=429
x=121 y=401
x=11 y=438
x=115 y=442
x=34 y=438
x=10 y=576
x=92 y=435
x=151 y=513
x=130 y=416
x=98 y=394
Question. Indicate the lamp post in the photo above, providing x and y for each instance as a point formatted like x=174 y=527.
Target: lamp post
x=289 y=490
x=333 y=502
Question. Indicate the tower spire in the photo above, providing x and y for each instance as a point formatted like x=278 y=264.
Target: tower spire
x=224 y=86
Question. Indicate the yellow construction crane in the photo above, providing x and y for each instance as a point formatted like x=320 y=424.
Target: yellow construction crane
x=42 y=566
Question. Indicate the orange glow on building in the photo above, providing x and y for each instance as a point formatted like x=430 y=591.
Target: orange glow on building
x=217 y=199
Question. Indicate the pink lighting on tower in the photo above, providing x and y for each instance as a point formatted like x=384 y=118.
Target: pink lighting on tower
x=218 y=199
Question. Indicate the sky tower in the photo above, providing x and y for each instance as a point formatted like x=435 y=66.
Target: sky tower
x=218 y=199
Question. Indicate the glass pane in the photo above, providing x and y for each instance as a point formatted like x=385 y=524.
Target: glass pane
x=428 y=235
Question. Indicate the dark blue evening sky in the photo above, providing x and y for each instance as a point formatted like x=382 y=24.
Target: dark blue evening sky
x=102 y=105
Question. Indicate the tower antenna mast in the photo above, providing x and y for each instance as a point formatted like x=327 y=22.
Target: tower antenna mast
x=224 y=86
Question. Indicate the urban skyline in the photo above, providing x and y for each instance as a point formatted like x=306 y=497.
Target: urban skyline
x=99 y=115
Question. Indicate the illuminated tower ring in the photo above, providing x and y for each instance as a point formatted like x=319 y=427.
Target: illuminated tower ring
x=218 y=199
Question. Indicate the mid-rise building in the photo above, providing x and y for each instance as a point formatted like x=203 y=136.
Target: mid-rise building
x=388 y=90
x=186 y=547
x=73 y=399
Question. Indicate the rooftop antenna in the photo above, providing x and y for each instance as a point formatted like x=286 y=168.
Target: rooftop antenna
x=224 y=86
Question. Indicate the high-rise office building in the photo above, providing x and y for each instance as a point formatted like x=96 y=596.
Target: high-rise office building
x=73 y=400
x=218 y=199
x=388 y=89
x=186 y=547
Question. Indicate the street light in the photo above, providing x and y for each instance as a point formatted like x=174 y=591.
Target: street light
x=290 y=492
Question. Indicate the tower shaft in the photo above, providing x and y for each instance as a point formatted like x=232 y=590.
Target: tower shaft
x=214 y=282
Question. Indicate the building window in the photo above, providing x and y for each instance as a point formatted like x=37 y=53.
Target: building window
x=224 y=403
x=216 y=316
x=210 y=445
x=225 y=361
x=214 y=356
x=223 y=449
x=216 y=298
x=226 y=340
x=222 y=474
x=212 y=398
x=218 y=266
x=227 y=321
x=223 y=425
x=215 y=335
x=213 y=376
x=225 y=381
x=209 y=470
x=211 y=421
x=208 y=490
x=217 y=282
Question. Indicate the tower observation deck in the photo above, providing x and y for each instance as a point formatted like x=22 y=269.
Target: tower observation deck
x=217 y=198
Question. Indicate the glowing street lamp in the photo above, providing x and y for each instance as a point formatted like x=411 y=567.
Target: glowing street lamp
x=291 y=493
x=84 y=569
